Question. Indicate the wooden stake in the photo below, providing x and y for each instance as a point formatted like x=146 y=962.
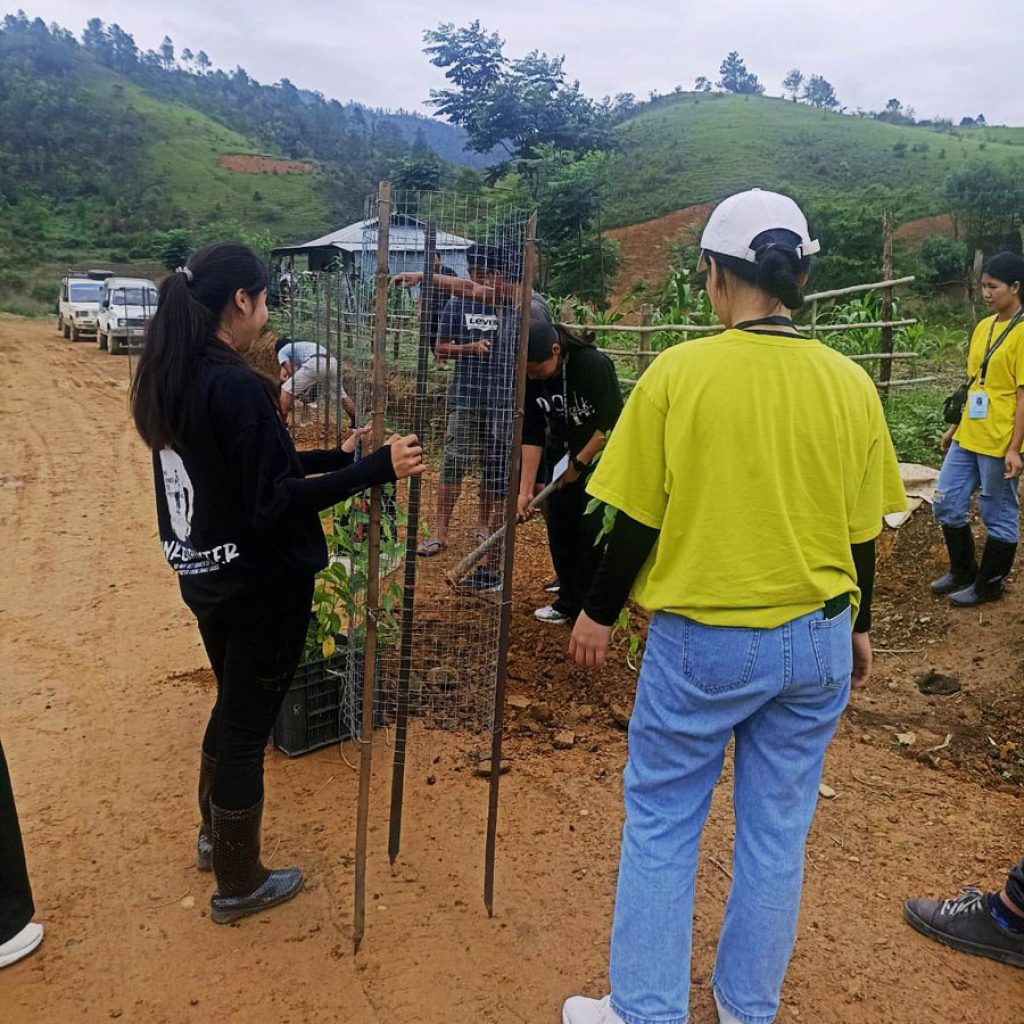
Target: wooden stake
x=885 y=367
x=511 y=520
x=411 y=544
x=327 y=373
x=645 y=354
x=379 y=398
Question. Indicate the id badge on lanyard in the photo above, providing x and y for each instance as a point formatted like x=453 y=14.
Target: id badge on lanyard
x=977 y=405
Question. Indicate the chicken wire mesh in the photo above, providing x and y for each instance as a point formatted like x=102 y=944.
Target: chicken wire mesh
x=451 y=337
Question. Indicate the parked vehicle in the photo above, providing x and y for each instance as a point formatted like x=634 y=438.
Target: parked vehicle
x=79 y=303
x=126 y=307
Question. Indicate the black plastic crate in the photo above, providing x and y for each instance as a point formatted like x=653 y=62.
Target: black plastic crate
x=319 y=705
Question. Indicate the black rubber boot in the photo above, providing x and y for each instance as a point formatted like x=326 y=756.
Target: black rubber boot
x=204 y=847
x=996 y=563
x=244 y=885
x=962 y=565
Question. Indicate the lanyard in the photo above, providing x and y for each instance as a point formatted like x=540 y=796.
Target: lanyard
x=766 y=321
x=990 y=348
x=565 y=386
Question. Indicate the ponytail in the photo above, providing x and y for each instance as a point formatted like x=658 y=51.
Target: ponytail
x=777 y=268
x=183 y=332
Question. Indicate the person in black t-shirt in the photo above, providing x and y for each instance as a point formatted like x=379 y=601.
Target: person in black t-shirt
x=238 y=519
x=573 y=390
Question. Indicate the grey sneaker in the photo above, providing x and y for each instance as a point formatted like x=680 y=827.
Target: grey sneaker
x=967 y=924
x=549 y=613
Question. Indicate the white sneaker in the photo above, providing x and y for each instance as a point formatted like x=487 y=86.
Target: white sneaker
x=724 y=1016
x=21 y=945
x=549 y=613
x=581 y=1010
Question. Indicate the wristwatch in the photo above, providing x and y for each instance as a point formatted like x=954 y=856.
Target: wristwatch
x=580 y=467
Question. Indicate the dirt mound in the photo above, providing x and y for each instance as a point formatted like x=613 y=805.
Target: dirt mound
x=913 y=232
x=646 y=248
x=247 y=163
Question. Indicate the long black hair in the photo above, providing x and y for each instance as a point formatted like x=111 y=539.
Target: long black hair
x=777 y=269
x=183 y=332
x=1007 y=267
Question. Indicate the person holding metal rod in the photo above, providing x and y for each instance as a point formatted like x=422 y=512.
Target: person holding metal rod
x=983 y=444
x=237 y=508
x=308 y=370
x=572 y=402
x=750 y=471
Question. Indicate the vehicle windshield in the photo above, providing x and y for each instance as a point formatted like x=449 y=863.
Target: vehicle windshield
x=85 y=292
x=134 y=297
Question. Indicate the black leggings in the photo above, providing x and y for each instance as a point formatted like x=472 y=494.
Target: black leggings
x=16 y=907
x=254 y=642
x=572 y=535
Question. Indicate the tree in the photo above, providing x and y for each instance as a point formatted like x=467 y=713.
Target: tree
x=173 y=248
x=420 y=173
x=819 y=93
x=167 y=52
x=984 y=198
x=945 y=258
x=202 y=61
x=516 y=105
x=980 y=119
x=702 y=84
x=736 y=78
x=624 y=104
x=792 y=82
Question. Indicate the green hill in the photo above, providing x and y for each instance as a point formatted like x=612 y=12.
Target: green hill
x=699 y=147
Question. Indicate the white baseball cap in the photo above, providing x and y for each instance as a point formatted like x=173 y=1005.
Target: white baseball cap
x=738 y=220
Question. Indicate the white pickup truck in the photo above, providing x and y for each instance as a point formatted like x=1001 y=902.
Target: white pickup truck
x=79 y=303
x=126 y=307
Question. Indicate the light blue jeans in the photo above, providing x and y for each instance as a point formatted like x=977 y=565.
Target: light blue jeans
x=780 y=692
x=962 y=474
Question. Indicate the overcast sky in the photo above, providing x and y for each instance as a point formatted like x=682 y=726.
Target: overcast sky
x=943 y=58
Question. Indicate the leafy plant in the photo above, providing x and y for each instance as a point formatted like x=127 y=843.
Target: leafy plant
x=340 y=590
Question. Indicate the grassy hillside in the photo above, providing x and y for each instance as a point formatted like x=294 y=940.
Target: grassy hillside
x=700 y=147
x=181 y=157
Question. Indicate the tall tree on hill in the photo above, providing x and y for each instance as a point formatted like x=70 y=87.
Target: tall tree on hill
x=736 y=78
x=819 y=93
x=702 y=84
x=792 y=82
x=167 y=52
x=514 y=105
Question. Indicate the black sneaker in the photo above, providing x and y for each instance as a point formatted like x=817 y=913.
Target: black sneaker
x=552 y=587
x=967 y=924
x=484 y=581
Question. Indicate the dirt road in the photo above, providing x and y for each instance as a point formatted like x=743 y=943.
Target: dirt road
x=102 y=700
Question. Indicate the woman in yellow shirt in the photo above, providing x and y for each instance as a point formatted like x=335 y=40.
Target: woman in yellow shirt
x=983 y=449
x=750 y=471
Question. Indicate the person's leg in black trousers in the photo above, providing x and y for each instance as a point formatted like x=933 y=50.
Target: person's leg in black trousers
x=16 y=906
x=588 y=550
x=562 y=523
x=261 y=633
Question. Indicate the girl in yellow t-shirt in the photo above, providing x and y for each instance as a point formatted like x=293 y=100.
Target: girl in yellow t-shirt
x=983 y=449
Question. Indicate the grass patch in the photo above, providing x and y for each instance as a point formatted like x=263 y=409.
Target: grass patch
x=916 y=424
x=702 y=147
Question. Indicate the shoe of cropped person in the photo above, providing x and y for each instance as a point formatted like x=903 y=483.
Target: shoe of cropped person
x=966 y=923
x=581 y=1010
x=552 y=586
x=21 y=945
x=244 y=885
x=551 y=615
x=996 y=563
x=483 y=581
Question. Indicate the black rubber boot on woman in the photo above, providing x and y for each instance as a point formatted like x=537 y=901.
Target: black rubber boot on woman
x=962 y=567
x=204 y=846
x=996 y=563
x=244 y=885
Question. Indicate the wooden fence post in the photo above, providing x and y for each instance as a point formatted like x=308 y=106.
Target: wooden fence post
x=645 y=354
x=885 y=367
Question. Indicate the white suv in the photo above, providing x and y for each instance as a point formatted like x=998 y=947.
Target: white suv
x=79 y=304
x=126 y=307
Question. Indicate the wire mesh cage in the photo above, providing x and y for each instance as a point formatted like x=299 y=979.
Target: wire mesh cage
x=429 y=343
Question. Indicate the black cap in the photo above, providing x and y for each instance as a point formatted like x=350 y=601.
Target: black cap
x=543 y=338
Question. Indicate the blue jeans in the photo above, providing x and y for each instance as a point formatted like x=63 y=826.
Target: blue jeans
x=780 y=692
x=962 y=474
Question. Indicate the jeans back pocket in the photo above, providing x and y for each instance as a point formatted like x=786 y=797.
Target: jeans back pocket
x=717 y=659
x=832 y=640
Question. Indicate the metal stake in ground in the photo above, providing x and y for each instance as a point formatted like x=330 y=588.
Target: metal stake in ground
x=411 y=543
x=511 y=519
x=379 y=395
